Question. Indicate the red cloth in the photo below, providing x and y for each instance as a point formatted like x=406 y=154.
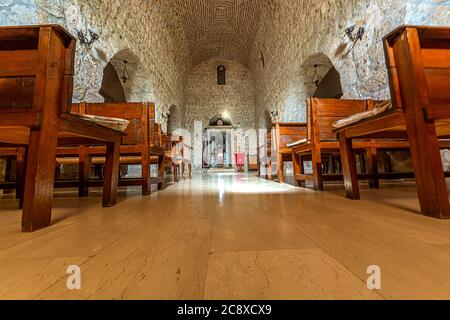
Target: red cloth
x=240 y=158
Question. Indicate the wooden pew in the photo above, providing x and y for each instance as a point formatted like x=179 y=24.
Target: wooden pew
x=187 y=158
x=36 y=77
x=141 y=144
x=253 y=164
x=169 y=143
x=181 y=160
x=267 y=161
x=286 y=133
x=282 y=134
x=321 y=142
x=418 y=63
x=160 y=160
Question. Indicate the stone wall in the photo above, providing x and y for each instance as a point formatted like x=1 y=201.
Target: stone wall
x=148 y=29
x=16 y=12
x=204 y=98
x=292 y=31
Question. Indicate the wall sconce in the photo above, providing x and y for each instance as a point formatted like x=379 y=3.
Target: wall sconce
x=355 y=33
x=125 y=76
x=166 y=116
x=84 y=38
x=355 y=36
x=275 y=115
x=316 y=79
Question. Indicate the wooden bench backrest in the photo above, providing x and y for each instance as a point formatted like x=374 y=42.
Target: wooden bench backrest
x=167 y=143
x=36 y=69
x=418 y=60
x=269 y=143
x=178 y=144
x=287 y=133
x=141 y=116
x=322 y=113
x=157 y=136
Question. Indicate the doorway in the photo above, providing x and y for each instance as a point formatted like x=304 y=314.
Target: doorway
x=218 y=148
x=217 y=140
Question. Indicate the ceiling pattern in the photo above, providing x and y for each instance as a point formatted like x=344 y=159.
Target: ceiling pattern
x=224 y=29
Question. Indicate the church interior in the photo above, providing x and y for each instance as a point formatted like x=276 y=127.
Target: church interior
x=224 y=149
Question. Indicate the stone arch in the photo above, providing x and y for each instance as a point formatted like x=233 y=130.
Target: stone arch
x=174 y=118
x=330 y=86
x=112 y=87
x=303 y=86
x=121 y=75
x=220 y=118
x=267 y=121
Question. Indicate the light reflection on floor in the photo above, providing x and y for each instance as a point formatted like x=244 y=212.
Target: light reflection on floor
x=229 y=236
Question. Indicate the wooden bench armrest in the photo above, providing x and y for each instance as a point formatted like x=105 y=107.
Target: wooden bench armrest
x=394 y=115
x=303 y=147
x=74 y=124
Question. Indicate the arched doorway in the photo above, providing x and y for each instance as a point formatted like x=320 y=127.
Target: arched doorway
x=217 y=140
x=175 y=118
x=112 y=89
x=119 y=83
x=330 y=86
x=316 y=77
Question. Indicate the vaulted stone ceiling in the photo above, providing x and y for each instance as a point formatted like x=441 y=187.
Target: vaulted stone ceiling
x=220 y=28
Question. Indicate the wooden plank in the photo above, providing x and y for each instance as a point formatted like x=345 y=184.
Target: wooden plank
x=125 y=110
x=72 y=124
x=349 y=167
x=339 y=108
x=286 y=129
x=382 y=145
x=16 y=94
x=436 y=58
x=30 y=32
x=438 y=111
x=126 y=182
x=111 y=173
x=134 y=132
x=302 y=148
x=433 y=33
x=15 y=135
x=18 y=63
x=26 y=119
x=72 y=140
x=145 y=145
x=22 y=34
x=393 y=122
x=443 y=127
x=391 y=66
x=304 y=177
x=438 y=84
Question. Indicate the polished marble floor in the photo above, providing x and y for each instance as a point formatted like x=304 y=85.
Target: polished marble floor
x=227 y=236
